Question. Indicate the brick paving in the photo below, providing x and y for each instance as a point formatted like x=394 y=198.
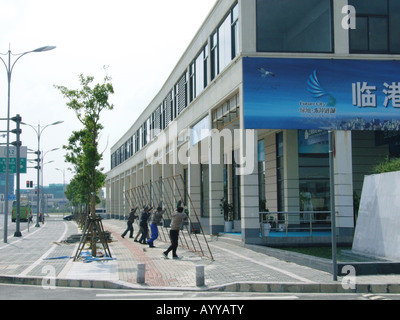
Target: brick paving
x=233 y=263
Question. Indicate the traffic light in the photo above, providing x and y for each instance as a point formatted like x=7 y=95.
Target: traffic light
x=35 y=191
x=31 y=184
x=17 y=131
x=28 y=184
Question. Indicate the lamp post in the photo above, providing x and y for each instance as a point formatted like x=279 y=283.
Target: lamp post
x=45 y=200
x=39 y=132
x=9 y=68
x=42 y=177
x=63 y=172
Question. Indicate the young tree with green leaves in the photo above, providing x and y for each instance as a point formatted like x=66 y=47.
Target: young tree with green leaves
x=82 y=151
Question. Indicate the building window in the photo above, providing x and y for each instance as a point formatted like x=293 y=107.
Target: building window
x=127 y=150
x=134 y=144
x=294 y=26
x=157 y=121
x=314 y=180
x=226 y=114
x=131 y=146
x=200 y=130
x=170 y=108
x=236 y=187
x=181 y=93
x=235 y=31
x=261 y=176
x=198 y=73
x=224 y=42
x=137 y=142
x=163 y=116
x=377 y=26
x=204 y=190
x=192 y=81
x=122 y=154
x=113 y=161
x=280 y=171
x=214 y=55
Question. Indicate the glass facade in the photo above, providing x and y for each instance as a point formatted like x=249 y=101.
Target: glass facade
x=294 y=26
x=280 y=171
x=377 y=27
x=204 y=190
x=314 y=181
x=261 y=176
x=224 y=44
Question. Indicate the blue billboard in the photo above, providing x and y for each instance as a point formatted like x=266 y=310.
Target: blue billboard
x=286 y=93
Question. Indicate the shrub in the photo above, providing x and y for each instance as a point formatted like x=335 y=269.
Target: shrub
x=389 y=165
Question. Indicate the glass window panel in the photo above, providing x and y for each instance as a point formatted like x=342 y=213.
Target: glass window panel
x=368 y=7
x=199 y=74
x=294 y=26
x=378 y=31
x=359 y=36
x=205 y=185
x=214 y=55
x=394 y=26
x=225 y=43
x=205 y=66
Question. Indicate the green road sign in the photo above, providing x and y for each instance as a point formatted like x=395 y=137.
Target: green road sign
x=12 y=162
x=12 y=165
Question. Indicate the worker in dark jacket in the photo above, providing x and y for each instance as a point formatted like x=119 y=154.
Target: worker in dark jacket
x=131 y=219
x=143 y=224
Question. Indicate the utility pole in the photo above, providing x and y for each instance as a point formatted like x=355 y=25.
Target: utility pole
x=17 y=144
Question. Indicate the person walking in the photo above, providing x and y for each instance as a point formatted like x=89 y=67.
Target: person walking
x=131 y=219
x=176 y=224
x=143 y=224
x=154 y=222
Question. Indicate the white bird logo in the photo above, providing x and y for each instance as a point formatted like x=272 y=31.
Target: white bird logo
x=265 y=73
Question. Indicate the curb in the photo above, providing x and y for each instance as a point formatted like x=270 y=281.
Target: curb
x=308 y=288
x=288 y=287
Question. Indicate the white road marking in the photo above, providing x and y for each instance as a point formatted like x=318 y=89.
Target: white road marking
x=290 y=274
x=45 y=255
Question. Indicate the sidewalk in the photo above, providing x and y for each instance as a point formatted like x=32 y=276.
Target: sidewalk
x=40 y=257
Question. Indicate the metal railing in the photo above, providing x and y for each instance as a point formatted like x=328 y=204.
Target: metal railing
x=295 y=221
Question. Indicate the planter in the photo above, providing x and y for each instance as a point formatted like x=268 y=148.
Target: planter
x=228 y=226
x=267 y=228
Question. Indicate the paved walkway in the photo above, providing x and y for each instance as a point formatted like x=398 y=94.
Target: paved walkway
x=41 y=256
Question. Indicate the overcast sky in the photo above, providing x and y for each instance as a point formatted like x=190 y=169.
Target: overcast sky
x=140 y=41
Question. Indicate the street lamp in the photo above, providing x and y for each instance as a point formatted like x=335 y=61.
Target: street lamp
x=39 y=133
x=63 y=172
x=9 y=68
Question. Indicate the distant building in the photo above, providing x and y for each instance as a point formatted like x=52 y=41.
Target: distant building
x=52 y=199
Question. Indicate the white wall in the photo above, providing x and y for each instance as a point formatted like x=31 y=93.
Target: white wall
x=378 y=226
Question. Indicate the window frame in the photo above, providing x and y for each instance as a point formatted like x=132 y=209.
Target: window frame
x=332 y=42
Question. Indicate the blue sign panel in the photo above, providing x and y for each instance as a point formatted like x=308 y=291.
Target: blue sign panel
x=323 y=94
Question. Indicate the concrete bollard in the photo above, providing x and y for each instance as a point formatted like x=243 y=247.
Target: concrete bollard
x=200 y=276
x=141 y=273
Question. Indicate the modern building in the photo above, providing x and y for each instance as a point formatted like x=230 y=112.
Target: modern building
x=52 y=198
x=245 y=114
x=3 y=190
